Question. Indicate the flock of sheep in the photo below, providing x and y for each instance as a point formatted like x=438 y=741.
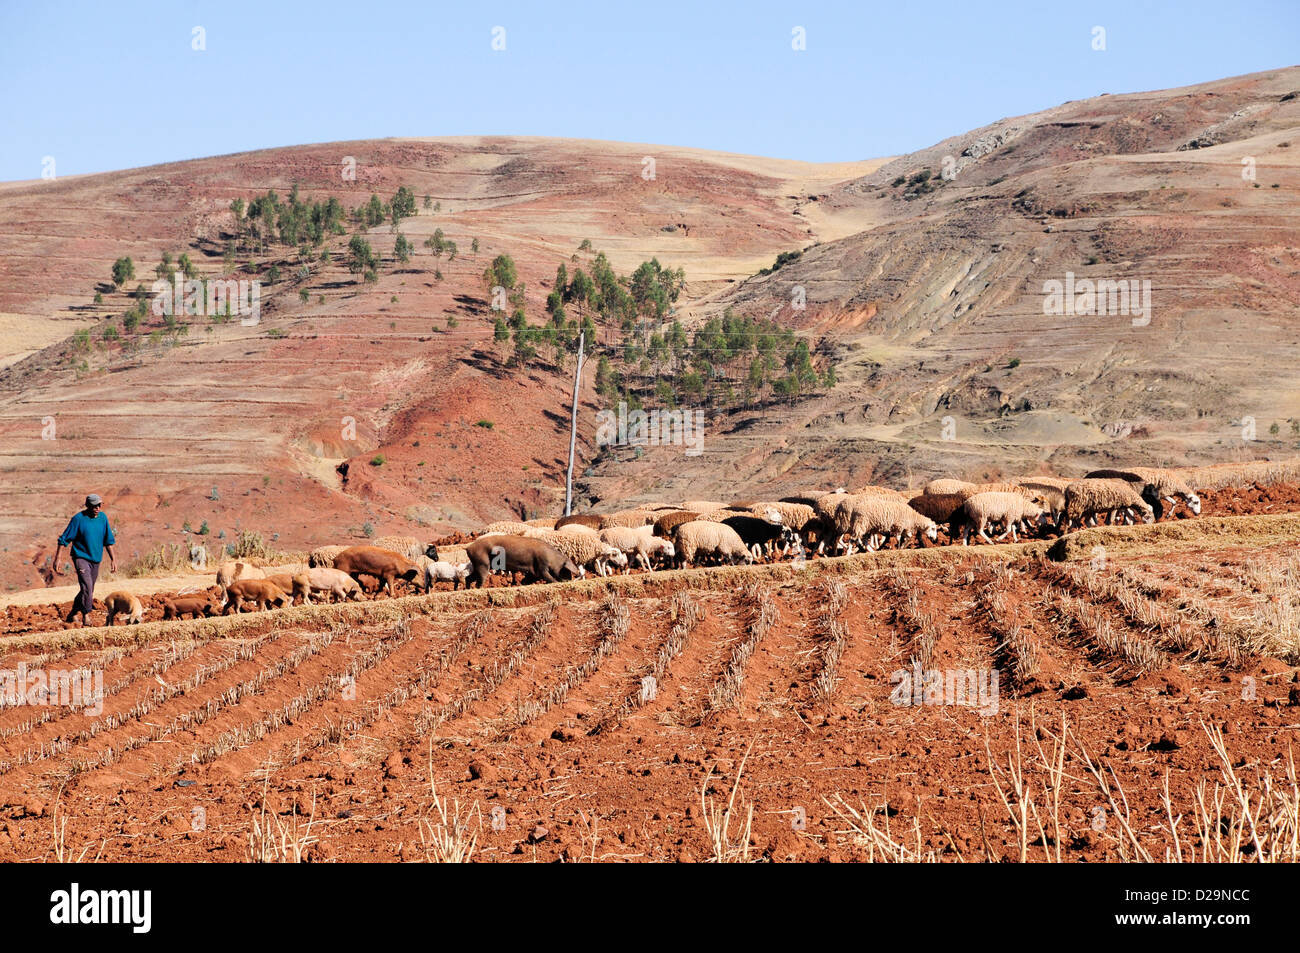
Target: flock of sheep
x=697 y=532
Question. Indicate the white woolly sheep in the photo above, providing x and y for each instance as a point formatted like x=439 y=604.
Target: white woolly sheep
x=699 y=539
x=628 y=518
x=1159 y=486
x=870 y=520
x=580 y=528
x=702 y=506
x=585 y=551
x=639 y=544
x=1011 y=511
x=407 y=546
x=945 y=485
x=323 y=556
x=1087 y=499
x=506 y=528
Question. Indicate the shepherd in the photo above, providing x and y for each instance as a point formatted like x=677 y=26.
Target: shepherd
x=88 y=535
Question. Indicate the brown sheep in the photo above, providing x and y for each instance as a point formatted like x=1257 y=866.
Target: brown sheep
x=664 y=524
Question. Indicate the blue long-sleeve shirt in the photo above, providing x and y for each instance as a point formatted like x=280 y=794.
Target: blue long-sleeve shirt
x=88 y=536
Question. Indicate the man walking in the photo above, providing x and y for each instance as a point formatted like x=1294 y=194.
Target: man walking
x=88 y=534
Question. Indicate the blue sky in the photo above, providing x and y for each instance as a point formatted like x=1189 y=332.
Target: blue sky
x=109 y=86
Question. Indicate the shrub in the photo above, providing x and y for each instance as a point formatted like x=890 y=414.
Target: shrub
x=485 y=424
x=377 y=460
x=123 y=271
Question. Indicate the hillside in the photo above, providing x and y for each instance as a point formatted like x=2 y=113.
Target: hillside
x=930 y=307
x=244 y=427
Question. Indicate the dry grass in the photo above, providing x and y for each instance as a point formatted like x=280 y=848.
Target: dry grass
x=448 y=836
x=727 y=847
x=63 y=854
x=275 y=841
x=832 y=640
x=725 y=692
x=1017 y=650
x=1229 y=820
x=878 y=841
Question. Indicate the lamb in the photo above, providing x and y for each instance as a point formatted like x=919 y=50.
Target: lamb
x=536 y=559
x=1088 y=498
x=627 y=518
x=124 y=603
x=1011 y=511
x=323 y=556
x=228 y=572
x=341 y=586
x=179 y=608
x=454 y=573
x=698 y=539
x=383 y=564
x=664 y=525
x=584 y=551
x=297 y=584
x=259 y=591
x=638 y=545
x=581 y=519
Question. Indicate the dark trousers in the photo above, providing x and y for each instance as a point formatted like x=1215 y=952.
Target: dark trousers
x=87 y=573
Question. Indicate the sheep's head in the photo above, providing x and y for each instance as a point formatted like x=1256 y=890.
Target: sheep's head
x=1194 y=503
x=932 y=531
x=772 y=515
x=617 y=557
x=431 y=551
x=572 y=570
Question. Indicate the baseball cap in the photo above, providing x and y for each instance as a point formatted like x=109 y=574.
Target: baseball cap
x=93 y=500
